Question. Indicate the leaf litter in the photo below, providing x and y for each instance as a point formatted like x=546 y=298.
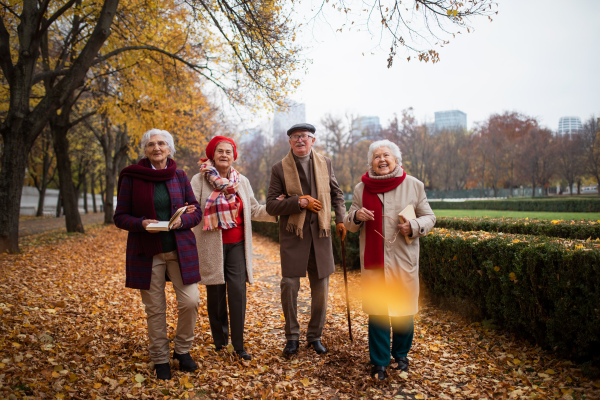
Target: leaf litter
x=71 y=330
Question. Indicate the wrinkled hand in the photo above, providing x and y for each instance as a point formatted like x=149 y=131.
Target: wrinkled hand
x=313 y=204
x=147 y=222
x=364 y=215
x=177 y=223
x=405 y=228
x=341 y=230
x=190 y=209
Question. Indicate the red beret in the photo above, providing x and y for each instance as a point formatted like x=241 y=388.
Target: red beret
x=212 y=145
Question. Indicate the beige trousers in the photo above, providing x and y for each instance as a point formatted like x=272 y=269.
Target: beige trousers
x=156 y=308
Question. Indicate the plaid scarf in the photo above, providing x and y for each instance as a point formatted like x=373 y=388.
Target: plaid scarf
x=222 y=204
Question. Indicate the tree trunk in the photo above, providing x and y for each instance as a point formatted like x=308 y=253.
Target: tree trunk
x=58 y=205
x=63 y=164
x=12 y=176
x=85 y=200
x=41 y=201
x=93 y=191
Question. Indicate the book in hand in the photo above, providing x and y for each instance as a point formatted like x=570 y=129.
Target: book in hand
x=165 y=225
x=408 y=213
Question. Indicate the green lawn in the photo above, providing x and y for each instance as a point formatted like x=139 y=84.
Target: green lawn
x=516 y=214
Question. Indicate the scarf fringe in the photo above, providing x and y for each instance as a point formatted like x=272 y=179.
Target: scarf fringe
x=295 y=229
x=324 y=233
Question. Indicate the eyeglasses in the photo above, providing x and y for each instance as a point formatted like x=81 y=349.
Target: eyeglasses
x=395 y=235
x=295 y=138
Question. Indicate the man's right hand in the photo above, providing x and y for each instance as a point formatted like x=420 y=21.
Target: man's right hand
x=310 y=203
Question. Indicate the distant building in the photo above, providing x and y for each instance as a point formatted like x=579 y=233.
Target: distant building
x=366 y=128
x=285 y=118
x=450 y=120
x=569 y=125
x=250 y=135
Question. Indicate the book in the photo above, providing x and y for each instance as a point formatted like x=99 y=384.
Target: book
x=409 y=213
x=165 y=225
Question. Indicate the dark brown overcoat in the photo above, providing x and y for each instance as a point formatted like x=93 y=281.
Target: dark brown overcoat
x=294 y=251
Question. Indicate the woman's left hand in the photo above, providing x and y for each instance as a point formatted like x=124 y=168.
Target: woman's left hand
x=177 y=224
x=405 y=228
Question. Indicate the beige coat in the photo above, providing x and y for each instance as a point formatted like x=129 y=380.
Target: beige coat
x=210 y=243
x=394 y=290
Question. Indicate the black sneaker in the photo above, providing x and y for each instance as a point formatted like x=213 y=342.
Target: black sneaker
x=163 y=371
x=186 y=363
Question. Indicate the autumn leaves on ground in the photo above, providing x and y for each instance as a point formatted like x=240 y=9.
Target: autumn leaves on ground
x=70 y=329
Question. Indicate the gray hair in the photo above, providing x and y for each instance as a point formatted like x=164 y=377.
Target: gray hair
x=153 y=132
x=384 y=143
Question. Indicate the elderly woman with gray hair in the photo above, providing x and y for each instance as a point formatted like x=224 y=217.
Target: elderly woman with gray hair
x=389 y=265
x=152 y=190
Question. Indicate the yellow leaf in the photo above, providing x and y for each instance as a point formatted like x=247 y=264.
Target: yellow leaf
x=139 y=378
x=55 y=374
x=496 y=268
x=433 y=348
x=419 y=396
x=516 y=361
x=305 y=381
x=550 y=371
x=515 y=241
x=455 y=13
x=188 y=385
x=449 y=12
x=97 y=385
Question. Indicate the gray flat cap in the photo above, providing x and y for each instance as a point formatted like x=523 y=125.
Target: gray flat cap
x=301 y=127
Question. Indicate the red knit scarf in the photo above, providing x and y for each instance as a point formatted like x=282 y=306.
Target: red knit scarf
x=142 y=197
x=373 y=255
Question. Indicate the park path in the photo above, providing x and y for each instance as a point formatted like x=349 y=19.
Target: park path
x=69 y=329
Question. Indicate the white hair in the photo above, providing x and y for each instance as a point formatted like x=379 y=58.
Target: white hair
x=153 y=132
x=384 y=143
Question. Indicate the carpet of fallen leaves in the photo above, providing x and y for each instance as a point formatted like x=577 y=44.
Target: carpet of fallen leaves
x=69 y=329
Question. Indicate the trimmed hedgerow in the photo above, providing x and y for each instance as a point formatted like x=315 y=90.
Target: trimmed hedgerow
x=562 y=205
x=544 y=289
x=557 y=228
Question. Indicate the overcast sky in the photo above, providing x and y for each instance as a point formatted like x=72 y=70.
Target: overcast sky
x=538 y=57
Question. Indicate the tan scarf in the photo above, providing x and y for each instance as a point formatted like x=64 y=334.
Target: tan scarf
x=294 y=188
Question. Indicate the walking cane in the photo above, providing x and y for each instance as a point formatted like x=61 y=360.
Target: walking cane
x=346 y=284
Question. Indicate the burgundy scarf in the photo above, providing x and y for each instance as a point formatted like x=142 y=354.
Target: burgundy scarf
x=142 y=197
x=373 y=255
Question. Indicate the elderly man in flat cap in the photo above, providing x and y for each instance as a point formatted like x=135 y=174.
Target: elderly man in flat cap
x=307 y=180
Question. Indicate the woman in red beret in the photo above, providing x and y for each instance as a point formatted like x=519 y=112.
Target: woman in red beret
x=225 y=240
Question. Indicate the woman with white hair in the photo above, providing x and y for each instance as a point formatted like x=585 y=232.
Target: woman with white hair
x=151 y=190
x=389 y=264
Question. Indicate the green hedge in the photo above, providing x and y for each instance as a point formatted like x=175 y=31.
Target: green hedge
x=561 y=205
x=562 y=229
x=533 y=286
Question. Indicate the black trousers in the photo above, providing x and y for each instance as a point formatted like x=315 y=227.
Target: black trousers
x=233 y=294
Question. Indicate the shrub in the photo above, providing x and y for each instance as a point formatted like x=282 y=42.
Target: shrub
x=562 y=205
x=543 y=289
x=556 y=228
